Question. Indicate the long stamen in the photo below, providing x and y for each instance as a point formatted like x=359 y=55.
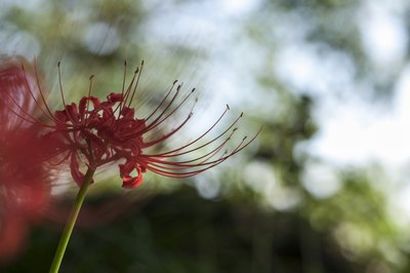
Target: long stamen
x=51 y=115
x=28 y=88
x=162 y=101
x=215 y=151
x=210 y=154
x=123 y=86
x=166 y=168
x=124 y=77
x=60 y=83
x=130 y=86
x=33 y=120
x=239 y=147
x=203 y=134
x=178 y=165
x=180 y=174
x=162 y=113
x=156 y=124
x=172 y=153
x=90 y=86
x=166 y=136
x=136 y=83
x=124 y=95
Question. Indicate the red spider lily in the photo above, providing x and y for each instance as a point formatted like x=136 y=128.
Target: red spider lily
x=95 y=133
x=24 y=188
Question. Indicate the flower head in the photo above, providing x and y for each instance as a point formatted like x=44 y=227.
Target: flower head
x=97 y=132
x=24 y=187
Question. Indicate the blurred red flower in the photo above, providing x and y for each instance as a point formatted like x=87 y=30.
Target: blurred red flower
x=24 y=188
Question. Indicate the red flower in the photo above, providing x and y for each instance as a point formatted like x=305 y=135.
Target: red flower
x=95 y=133
x=102 y=132
x=24 y=190
x=24 y=187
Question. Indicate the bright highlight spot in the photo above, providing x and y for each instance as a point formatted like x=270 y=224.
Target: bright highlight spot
x=320 y=180
x=384 y=36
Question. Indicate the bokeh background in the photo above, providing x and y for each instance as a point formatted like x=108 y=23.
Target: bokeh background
x=325 y=188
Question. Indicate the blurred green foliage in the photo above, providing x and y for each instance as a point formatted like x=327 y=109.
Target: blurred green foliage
x=180 y=232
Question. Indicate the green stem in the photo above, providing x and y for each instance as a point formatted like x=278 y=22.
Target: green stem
x=68 y=229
